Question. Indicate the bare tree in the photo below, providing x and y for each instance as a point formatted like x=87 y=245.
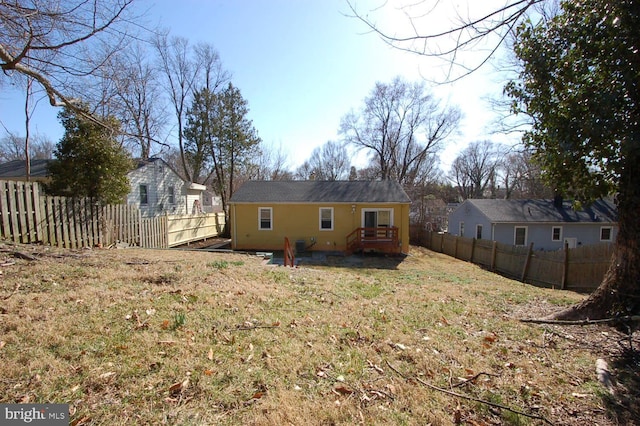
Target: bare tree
x=180 y=76
x=473 y=28
x=137 y=90
x=521 y=177
x=474 y=170
x=400 y=125
x=330 y=161
x=304 y=171
x=53 y=42
x=185 y=70
x=213 y=75
x=270 y=163
x=12 y=147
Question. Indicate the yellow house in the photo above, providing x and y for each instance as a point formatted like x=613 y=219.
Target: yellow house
x=343 y=216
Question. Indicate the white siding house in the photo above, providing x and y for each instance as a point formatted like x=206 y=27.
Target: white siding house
x=548 y=224
x=157 y=189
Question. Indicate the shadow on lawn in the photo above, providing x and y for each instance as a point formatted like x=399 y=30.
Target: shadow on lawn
x=624 y=404
x=340 y=260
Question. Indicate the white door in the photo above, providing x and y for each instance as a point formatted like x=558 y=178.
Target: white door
x=571 y=242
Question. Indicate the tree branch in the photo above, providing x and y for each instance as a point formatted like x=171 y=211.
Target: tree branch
x=616 y=320
x=470 y=398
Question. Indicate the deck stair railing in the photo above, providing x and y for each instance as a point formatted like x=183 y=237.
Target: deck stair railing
x=289 y=257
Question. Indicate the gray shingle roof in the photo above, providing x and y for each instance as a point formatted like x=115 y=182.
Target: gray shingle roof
x=16 y=168
x=544 y=210
x=313 y=191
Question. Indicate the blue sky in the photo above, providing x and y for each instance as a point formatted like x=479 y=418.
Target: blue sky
x=301 y=65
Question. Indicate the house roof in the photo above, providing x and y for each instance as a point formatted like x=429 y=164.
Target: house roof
x=16 y=168
x=316 y=191
x=543 y=210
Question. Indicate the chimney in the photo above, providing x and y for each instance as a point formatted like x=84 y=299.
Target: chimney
x=557 y=200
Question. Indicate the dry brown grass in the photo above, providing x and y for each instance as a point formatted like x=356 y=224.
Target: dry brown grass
x=182 y=337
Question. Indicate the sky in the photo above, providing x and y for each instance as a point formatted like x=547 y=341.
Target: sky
x=302 y=65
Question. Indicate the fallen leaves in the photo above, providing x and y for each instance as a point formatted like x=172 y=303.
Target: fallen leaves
x=177 y=390
x=107 y=375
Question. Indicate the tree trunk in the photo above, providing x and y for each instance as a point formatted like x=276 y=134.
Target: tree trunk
x=619 y=292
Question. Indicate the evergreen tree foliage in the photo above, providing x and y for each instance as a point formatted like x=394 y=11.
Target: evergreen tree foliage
x=89 y=160
x=220 y=138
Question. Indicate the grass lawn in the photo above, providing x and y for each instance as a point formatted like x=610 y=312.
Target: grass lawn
x=182 y=337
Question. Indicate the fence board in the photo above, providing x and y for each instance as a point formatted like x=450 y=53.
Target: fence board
x=5 y=225
x=578 y=269
x=29 y=216
x=483 y=253
x=182 y=229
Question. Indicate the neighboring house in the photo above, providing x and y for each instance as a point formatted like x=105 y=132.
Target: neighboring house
x=548 y=224
x=157 y=189
x=320 y=215
x=430 y=214
x=16 y=170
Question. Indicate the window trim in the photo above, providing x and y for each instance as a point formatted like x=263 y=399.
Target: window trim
x=553 y=228
x=478 y=234
x=320 y=210
x=144 y=202
x=377 y=211
x=610 y=228
x=270 y=210
x=461 y=228
x=515 y=235
x=171 y=194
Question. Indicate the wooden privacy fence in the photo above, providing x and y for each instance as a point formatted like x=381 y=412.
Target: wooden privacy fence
x=28 y=216
x=182 y=229
x=577 y=269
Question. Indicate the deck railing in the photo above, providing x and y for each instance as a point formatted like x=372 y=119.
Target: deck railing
x=381 y=238
x=289 y=257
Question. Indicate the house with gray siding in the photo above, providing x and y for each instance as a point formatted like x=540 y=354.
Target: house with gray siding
x=547 y=223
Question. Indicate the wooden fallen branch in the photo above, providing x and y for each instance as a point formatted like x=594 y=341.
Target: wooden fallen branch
x=470 y=398
x=616 y=320
x=472 y=379
x=24 y=256
x=252 y=327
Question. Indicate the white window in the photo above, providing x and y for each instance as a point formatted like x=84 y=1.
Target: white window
x=144 y=194
x=520 y=236
x=478 y=232
x=171 y=195
x=326 y=218
x=606 y=233
x=265 y=218
x=376 y=218
x=556 y=233
x=461 y=230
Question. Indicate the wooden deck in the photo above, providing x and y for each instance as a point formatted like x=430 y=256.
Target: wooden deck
x=383 y=239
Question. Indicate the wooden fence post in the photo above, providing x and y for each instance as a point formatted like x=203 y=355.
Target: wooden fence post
x=494 y=252
x=455 y=248
x=565 y=267
x=526 y=263
x=473 y=247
